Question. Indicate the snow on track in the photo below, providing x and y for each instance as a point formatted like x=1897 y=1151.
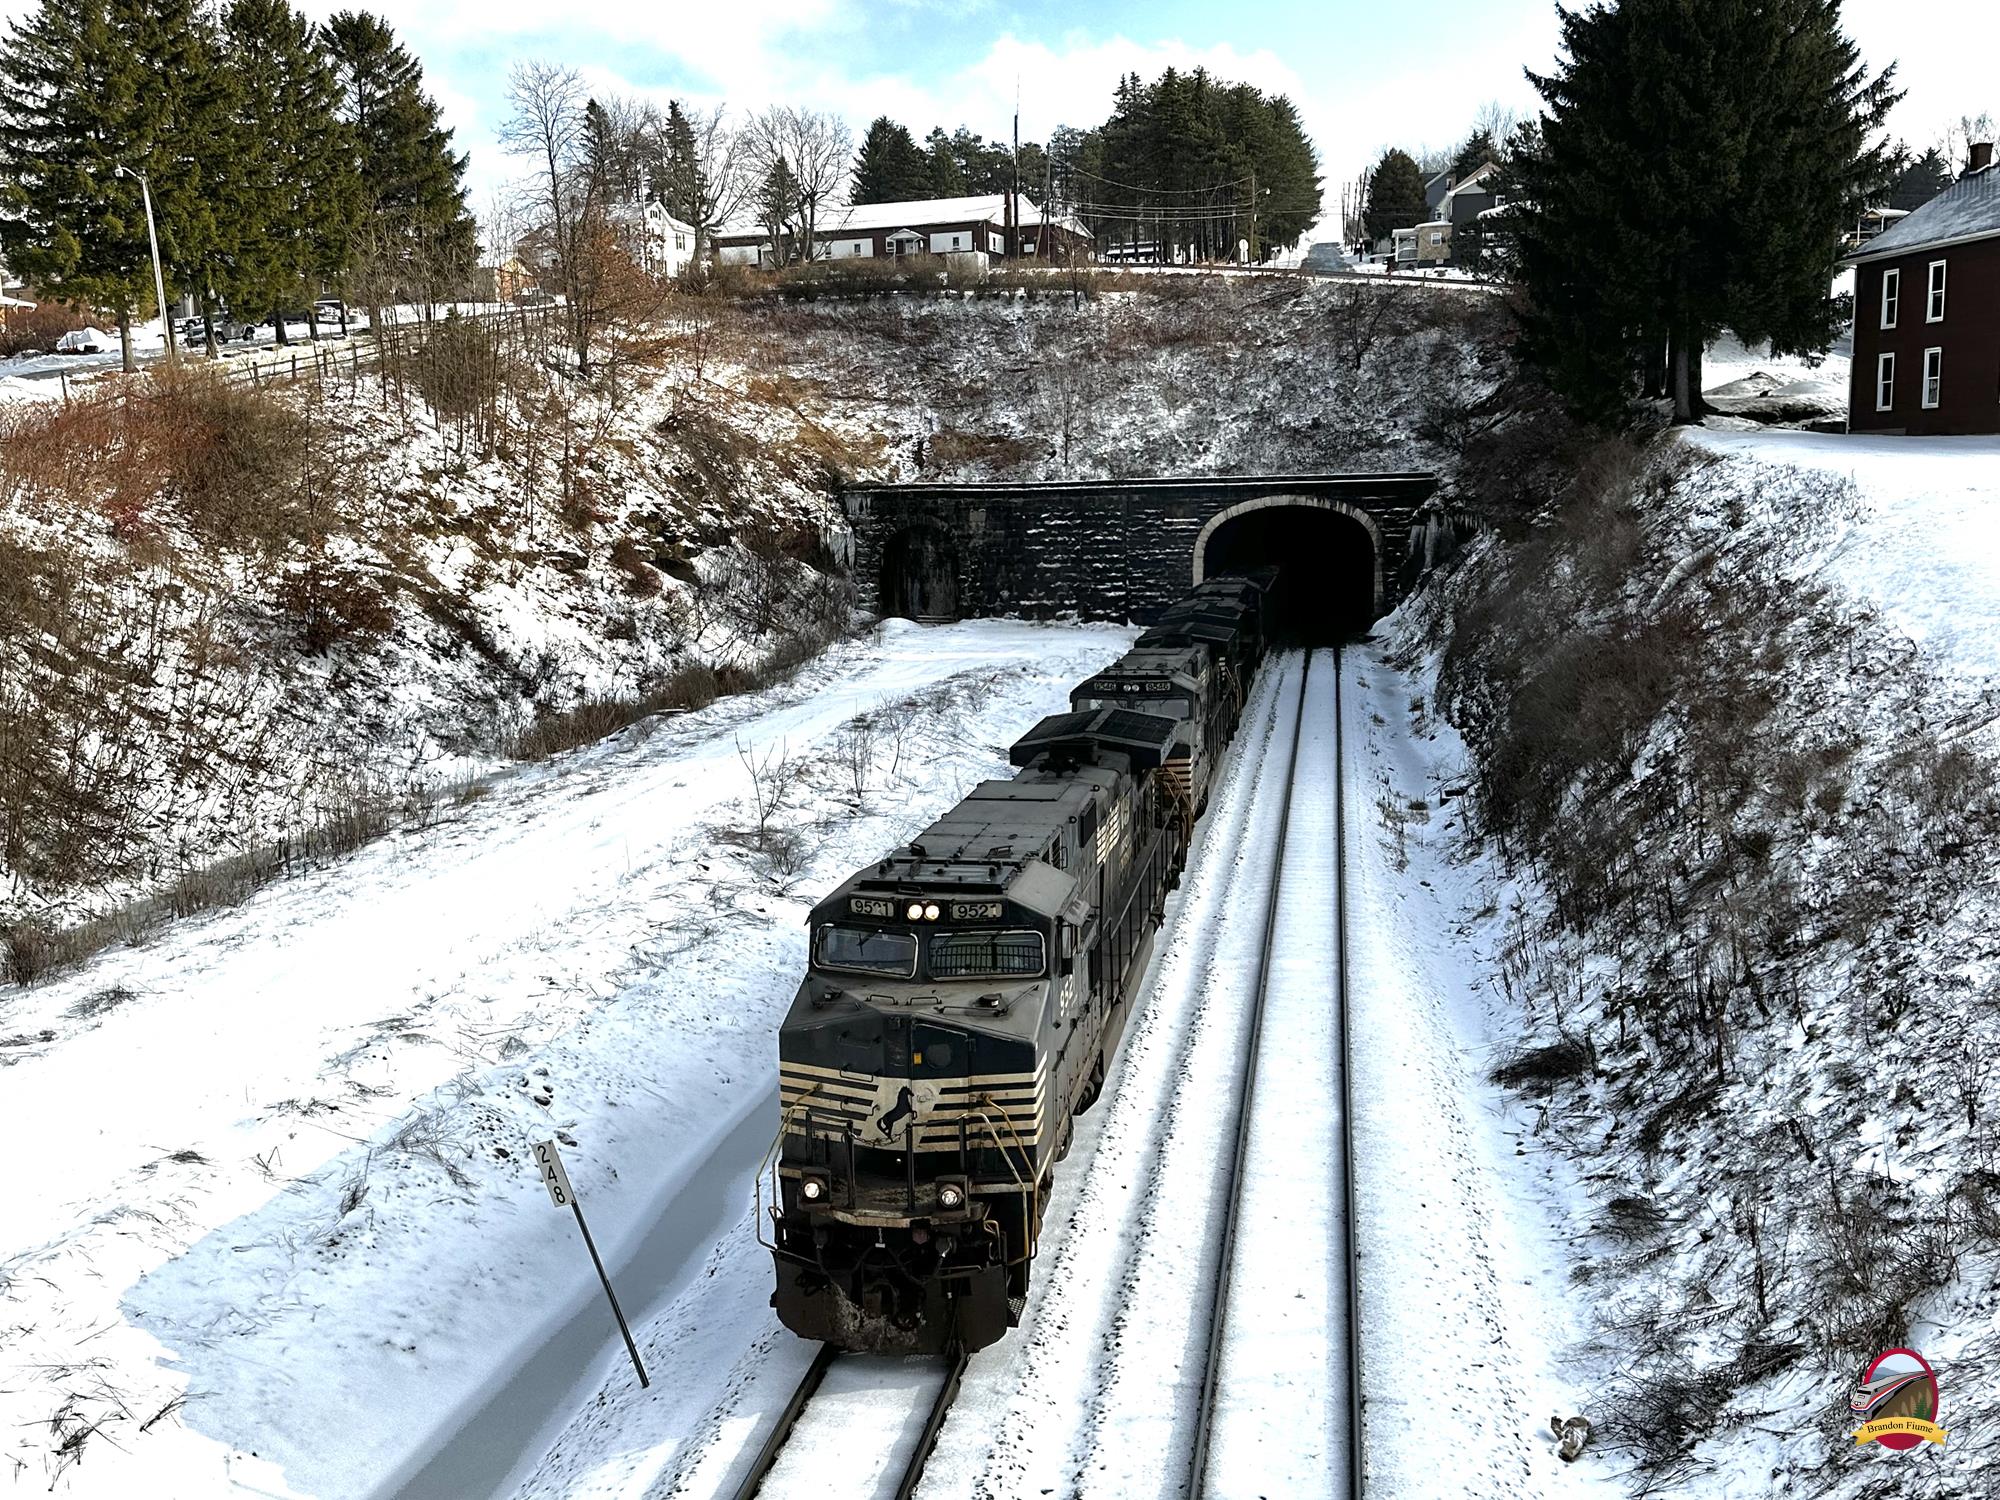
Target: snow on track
x=1280 y=1421
x=862 y=1425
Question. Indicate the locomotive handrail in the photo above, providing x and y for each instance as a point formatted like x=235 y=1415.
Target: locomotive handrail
x=770 y=1163
x=1029 y=1184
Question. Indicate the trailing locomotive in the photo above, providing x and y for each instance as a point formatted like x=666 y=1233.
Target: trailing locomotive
x=967 y=993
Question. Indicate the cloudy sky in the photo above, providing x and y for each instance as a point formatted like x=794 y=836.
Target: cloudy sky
x=1364 y=75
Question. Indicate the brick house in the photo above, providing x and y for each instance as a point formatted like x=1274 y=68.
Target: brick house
x=1927 y=314
x=933 y=226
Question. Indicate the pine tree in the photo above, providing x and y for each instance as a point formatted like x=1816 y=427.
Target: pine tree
x=90 y=86
x=1479 y=149
x=1699 y=161
x=779 y=208
x=683 y=184
x=1919 y=180
x=944 y=178
x=890 y=167
x=1395 y=195
x=292 y=185
x=417 y=235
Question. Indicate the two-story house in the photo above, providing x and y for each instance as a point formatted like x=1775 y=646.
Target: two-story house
x=1927 y=314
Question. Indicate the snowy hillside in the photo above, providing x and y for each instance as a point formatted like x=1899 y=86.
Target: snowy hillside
x=1730 y=724
x=266 y=627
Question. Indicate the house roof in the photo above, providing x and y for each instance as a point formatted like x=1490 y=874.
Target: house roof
x=1967 y=210
x=871 y=218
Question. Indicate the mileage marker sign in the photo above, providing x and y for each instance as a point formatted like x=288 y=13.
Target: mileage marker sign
x=555 y=1177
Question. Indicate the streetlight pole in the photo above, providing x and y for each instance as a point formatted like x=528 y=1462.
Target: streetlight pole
x=159 y=281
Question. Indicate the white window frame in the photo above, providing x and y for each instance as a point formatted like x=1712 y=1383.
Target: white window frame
x=1885 y=382
x=1933 y=392
x=1892 y=295
x=1934 y=304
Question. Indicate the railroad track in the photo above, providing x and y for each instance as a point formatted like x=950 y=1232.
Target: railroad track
x=798 y=1413
x=1261 y=1319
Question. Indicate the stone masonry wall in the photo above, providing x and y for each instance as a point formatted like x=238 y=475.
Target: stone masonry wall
x=1115 y=550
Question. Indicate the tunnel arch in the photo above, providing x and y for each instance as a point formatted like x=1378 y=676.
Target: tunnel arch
x=1228 y=524
x=919 y=576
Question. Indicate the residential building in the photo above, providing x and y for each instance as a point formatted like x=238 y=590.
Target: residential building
x=1927 y=314
x=660 y=243
x=1433 y=244
x=934 y=226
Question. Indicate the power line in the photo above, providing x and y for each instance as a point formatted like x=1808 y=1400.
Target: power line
x=1133 y=187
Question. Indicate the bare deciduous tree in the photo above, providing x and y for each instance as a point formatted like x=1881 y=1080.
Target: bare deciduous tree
x=815 y=147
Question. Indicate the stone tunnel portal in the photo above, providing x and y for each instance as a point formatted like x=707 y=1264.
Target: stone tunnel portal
x=1328 y=558
x=919 y=576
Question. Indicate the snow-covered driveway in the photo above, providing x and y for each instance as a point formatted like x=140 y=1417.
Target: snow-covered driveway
x=285 y=1142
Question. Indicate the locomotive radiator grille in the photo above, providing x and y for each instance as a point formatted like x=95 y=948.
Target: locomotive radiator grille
x=819 y=1101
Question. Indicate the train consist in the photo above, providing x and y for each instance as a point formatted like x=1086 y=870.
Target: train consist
x=967 y=993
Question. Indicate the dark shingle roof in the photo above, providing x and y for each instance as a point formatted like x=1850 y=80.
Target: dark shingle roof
x=1967 y=210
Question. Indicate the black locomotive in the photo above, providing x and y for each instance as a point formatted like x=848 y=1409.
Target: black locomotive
x=967 y=993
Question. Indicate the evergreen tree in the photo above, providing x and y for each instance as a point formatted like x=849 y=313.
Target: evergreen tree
x=1191 y=166
x=1479 y=149
x=1919 y=180
x=890 y=167
x=943 y=179
x=90 y=86
x=292 y=186
x=779 y=209
x=1699 y=162
x=1395 y=195
x=418 y=236
x=683 y=185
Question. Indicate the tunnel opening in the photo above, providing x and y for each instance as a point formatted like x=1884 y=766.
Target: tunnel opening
x=1326 y=586
x=919 y=575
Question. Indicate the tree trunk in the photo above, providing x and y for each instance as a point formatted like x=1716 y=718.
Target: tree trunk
x=1683 y=401
x=125 y=340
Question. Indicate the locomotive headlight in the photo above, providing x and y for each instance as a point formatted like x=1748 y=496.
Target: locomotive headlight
x=931 y=912
x=916 y=911
x=950 y=1197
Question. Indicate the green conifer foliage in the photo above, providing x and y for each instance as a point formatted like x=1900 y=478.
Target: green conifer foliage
x=1699 y=160
x=417 y=239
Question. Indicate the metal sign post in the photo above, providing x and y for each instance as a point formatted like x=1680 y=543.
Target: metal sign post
x=556 y=1179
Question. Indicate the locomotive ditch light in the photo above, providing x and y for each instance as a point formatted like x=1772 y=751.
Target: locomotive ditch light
x=951 y=1192
x=813 y=1188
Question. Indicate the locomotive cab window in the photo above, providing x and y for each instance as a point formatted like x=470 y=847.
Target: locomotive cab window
x=976 y=954
x=893 y=954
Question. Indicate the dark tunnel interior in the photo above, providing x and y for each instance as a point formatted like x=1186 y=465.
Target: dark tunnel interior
x=1326 y=569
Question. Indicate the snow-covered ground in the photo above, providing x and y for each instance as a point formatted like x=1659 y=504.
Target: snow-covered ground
x=1917 y=538
x=280 y=1227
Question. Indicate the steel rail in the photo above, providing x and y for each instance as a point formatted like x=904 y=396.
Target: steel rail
x=788 y=1421
x=1356 y=1472
x=1212 y=1367
x=927 y=1440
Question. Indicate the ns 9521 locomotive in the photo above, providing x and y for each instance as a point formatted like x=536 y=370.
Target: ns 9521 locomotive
x=967 y=993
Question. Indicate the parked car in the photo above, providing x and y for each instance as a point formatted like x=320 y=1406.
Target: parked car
x=1329 y=256
x=194 y=333
x=533 y=296
x=86 y=341
x=330 y=311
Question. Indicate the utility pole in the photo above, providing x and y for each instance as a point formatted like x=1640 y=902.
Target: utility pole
x=1253 y=216
x=159 y=281
x=1014 y=207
